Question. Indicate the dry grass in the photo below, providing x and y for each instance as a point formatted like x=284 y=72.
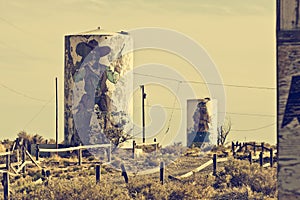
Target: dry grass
x=234 y=180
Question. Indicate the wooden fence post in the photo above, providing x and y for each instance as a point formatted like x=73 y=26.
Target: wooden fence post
x=124 y=173
x=48 y=173
x=7 y=160
x=215 y=164
x=162 y=171
x=254 y=149
x=271 y=157
x=262 y=147
x=261 y=158
x=98 y=173
x=18 y=157
x=17 y=142
x=79 y=154
x=24 y=158
x=109 y=153
x=250 y=157
x=43 y=173
x=37 y=152
x=5 y=183
x=233 y=149
x=133 y=148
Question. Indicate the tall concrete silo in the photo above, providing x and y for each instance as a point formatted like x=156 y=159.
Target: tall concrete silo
x=97 y=86
x=202 y=122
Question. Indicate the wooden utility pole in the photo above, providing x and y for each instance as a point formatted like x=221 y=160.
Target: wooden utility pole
x=143 y=112
x=56 y=114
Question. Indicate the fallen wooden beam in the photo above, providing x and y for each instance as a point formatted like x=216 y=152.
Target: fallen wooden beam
x=23 y=165
x=11 y=166
x=208 y=163
x=32 y=160
x=5 y=153
x=75 y=148
x=11 y=174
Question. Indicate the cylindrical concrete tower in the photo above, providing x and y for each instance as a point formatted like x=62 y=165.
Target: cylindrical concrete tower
x=97 y=86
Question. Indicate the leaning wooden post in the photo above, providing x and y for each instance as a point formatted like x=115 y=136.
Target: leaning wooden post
x=5 y=183
x=254 y=148
x=215 y=164
x=7 y=159
x=37 y=152
x=162 y=171
x=98 y=173
x=79 y=155
x=24 y=158
x=133 y=148
x=233 y=149
x=261 y=159
x=250 y=157
x=271 y=157
x=124 y=173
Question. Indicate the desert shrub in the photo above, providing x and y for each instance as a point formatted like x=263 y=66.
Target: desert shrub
x=91 y=158
x=264 y=180
x=148 y=190
x=36 y=176
x=240 y=174
x=175 y=149
x=198 y=187
x=233 y=194
x=116 y=162
x=81 y=188
x=152 y=162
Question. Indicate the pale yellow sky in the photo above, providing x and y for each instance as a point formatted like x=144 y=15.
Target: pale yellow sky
x=238 y=35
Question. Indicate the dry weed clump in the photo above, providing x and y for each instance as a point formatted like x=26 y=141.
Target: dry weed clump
x=76 y=188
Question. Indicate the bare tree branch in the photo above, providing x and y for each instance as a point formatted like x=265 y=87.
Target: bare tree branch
x=223 y=131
